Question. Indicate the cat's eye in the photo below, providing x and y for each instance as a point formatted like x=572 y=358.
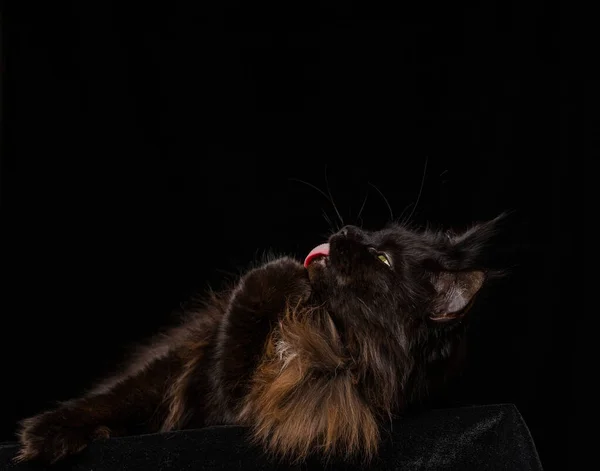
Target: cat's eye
x=383 y=258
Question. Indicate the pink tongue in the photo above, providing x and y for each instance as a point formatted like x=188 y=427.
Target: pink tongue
x=319 y=251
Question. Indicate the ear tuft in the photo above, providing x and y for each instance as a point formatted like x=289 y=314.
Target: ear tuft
x=472 y=249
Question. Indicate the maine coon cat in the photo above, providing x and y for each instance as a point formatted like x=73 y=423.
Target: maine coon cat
x=310 y=356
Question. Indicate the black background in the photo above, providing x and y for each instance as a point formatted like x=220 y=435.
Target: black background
x=150 y=151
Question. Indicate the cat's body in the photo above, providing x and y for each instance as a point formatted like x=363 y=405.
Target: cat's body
x=310 y=357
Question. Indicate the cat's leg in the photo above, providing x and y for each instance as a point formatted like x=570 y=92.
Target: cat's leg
x=300 y=393
x=132 y=401
x=256 y=305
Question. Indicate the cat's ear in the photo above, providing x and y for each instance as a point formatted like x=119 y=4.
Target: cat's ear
x=455 y=292
x=471 y=249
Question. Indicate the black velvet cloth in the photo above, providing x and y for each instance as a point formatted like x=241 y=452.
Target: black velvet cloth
x=467 y=438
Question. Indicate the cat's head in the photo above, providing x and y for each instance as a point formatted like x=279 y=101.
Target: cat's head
x=396 y=275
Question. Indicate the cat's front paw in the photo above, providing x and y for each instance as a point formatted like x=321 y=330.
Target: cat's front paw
x=275 y=283
x=53 y=435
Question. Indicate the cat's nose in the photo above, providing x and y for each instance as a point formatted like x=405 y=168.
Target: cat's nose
x=349 y=230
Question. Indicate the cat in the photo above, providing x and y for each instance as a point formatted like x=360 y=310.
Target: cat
x=309 y=356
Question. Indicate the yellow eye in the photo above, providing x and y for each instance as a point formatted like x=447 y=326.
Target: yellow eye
x=384 y=259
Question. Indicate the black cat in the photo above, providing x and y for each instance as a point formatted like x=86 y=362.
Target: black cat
x=310 y=356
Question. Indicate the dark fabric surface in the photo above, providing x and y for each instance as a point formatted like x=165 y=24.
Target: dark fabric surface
x=466 y=438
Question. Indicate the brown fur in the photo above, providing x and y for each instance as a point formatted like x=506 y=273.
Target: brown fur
x=196 y=338
x=305 y=397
